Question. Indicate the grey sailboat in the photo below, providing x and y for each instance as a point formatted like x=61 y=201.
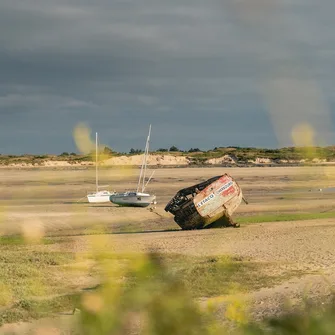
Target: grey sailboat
x=137 y=198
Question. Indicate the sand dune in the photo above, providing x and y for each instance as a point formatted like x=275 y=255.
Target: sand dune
x=156 y=160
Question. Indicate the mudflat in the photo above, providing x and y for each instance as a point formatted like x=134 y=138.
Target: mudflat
x=52 y=201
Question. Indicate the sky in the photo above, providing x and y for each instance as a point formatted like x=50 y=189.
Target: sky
x=205 y=74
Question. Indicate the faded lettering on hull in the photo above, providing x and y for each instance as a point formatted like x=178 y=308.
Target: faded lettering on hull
x=225 y=187
x=205 y=200
x=215 y=196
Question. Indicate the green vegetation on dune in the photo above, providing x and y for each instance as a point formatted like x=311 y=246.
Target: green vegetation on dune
x=197 y=156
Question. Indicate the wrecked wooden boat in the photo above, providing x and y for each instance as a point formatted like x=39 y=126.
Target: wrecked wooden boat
x=208 y=204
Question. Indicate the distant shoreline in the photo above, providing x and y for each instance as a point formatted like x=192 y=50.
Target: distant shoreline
x=218 y=157
x=193 y=166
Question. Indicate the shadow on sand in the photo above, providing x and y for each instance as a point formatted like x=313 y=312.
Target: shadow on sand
x=118 y=233
x=145 y=231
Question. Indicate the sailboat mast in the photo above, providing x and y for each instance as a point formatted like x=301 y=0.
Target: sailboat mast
x=96 y=161
x=140 y=177
x=143 y=162
x=146 y=157
x=148 y=180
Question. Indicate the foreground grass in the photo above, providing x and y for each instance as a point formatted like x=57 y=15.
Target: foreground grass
x=157 y=289
x=27 y=276
x=284 y=217
x=19 y=240
x=156 y=301
x=28 y=309
x=36 y=283
x=159 y=303
x=221 y=275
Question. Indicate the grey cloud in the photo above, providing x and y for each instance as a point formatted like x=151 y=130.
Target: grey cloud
x=194 y=69
x=39 y=101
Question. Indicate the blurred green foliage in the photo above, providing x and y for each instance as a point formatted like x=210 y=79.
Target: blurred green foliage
x=157 y=302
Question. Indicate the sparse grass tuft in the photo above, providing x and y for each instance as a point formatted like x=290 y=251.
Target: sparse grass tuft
x=219 y=275
x=153 y=293
x=27 y=309
x=284 y=217
x=308 y=320
x=12 y=240
x=19 y=240
x=35 y=283
x=156 y=301
x=27 y=274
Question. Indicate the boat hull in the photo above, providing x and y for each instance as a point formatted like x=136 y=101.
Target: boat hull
x=99 y=197
x=132 y=200
x=206 y=205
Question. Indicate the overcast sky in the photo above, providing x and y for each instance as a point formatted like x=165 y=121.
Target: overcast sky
x=203 y=73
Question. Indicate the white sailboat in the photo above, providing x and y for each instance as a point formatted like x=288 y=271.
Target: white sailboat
x=103 y=195
x=137 y=198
